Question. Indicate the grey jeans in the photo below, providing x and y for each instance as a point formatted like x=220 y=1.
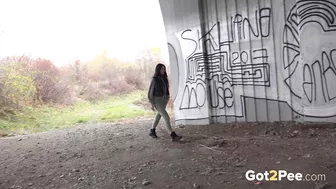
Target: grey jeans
x=160 y=104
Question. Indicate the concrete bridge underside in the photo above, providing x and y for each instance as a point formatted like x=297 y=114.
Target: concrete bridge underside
x=252 y=60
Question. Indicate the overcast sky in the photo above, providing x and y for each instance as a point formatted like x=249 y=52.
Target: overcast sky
x=63 y=30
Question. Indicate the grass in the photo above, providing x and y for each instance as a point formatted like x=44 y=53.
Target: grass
x=31 y=120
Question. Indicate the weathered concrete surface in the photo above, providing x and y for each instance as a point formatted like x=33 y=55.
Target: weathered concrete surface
x=252 y=60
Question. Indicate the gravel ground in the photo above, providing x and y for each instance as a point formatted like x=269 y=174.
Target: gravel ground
x=122 y=155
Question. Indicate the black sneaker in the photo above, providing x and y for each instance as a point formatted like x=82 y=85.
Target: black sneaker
x=153 y=133
x=174 y=137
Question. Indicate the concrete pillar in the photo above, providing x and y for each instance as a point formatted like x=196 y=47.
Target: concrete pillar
x=252 y=60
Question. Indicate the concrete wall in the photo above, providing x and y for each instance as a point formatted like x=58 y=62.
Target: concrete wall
x=252 y=60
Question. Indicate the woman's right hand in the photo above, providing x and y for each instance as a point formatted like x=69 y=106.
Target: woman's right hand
x=152 y=107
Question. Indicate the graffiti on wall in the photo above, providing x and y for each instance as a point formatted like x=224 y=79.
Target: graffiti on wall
x=228 y=65
x=248 y=28
x=224 y=61
x=312 y=79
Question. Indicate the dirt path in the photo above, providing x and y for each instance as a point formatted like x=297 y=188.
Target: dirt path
x=114 y=156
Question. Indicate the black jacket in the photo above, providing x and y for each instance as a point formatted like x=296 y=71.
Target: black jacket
x=159 y=87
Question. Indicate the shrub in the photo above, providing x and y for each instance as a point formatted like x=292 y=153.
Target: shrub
x=119 y=86
x=46 y=78
x=94 y=92
x=134 y=77
x=17 y=82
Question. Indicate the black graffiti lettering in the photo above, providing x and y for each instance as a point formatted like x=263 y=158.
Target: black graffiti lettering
x=307 y=82
x=244 y=57
x=228 y=98
x=265 y=17
x=318 y=81
x=260 y=56
x=189 y=39
x=237 y=23
x=221 y=97
x=262 y=24
x=239 y=73
x=245 y=67
x=291 y=55
x=220 y=94
x=208 y=34
x=329 y=75
x=319 y=74
x=252 y=68
x=209 y=39
x=323 y=9
x=310 y=80
x=193 y=96
x=200 y=89
x=191 y=74
x=247 y=23
x=214 y=95
x=206 y=39
x=224 y=97
x=235 y=57
x=287 y=82
x=232 y=36
x=241 y=27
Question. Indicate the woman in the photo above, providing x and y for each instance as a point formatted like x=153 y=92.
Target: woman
x=158 y=96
